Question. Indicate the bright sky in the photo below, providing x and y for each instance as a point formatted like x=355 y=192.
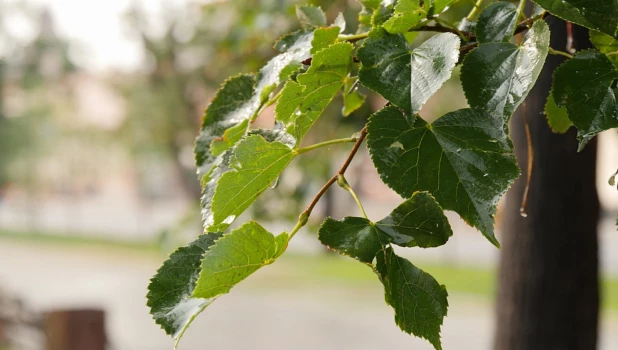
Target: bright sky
x=99 y=29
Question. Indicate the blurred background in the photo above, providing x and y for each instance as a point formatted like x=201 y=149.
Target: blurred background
x=100 y=102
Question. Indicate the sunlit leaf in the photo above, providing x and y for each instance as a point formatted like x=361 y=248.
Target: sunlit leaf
x=255 y=163
x=304 y=100
x=310 y=16
x=235 y=256
x=323 y=38
x=242 y=96
x=557 y=117
x=352 y=99
x=605 y=44
x=407 y=13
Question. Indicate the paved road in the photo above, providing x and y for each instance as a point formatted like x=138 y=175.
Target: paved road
x=254 y=316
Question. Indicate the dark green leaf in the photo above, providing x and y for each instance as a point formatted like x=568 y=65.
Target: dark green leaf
x=601 y=15
x=254 y=165
x=497 y=23
x=302 y=102
x=386 y=66
x=431 y=65
x=310 y=16
x=417 y=222
x=463 y=159
x=235 y=256
x=419 y=301
x=354 y=237
x=406 y=78
x=497 y=77
x=583 y=85
x=241 y=97
x=170 y=290
x=557 y=117
x=606 y=44
x=407 y=13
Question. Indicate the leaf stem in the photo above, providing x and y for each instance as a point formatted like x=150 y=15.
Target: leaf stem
x=561 y=53
x=422 y=28
x=343 y=183
x=475 y=9
x=464 y=37
x=611 y=53
x=520 y=8
x=325 y=144
x=304 y=216
x=353 y=37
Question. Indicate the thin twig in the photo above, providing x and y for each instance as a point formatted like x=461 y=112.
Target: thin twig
x=341 y=171
x=523 y=210
x=304 y=216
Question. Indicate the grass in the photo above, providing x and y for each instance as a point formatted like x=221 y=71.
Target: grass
x=458 y=279
x=68 y=240
x=302 y=270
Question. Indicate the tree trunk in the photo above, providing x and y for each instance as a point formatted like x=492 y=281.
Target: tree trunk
x=548 y=293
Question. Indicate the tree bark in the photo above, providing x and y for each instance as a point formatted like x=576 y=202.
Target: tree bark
x=548 y=293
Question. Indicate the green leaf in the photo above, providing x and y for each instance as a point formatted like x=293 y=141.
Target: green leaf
x=254 y=165
x=386 y=66
x=406 y=78
x=354 y=237
x=583 y=85
x=229 y=139
x=235 y=256
x=221 y=115
x=352 y=99
x=497 y=77
x=557 y=117
x=382 y=13
x=417 y=222
x=310 y=16
x=419 y=301
x=170 y=290
x=323 y=38
x=302 y=102
x=606 y=44
x=407 y=13
x=464 y=159
x=431 y=65
x=287 y=41
x=438 y=6
x=497 y=23
x=600 y=15
x=241 y=97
